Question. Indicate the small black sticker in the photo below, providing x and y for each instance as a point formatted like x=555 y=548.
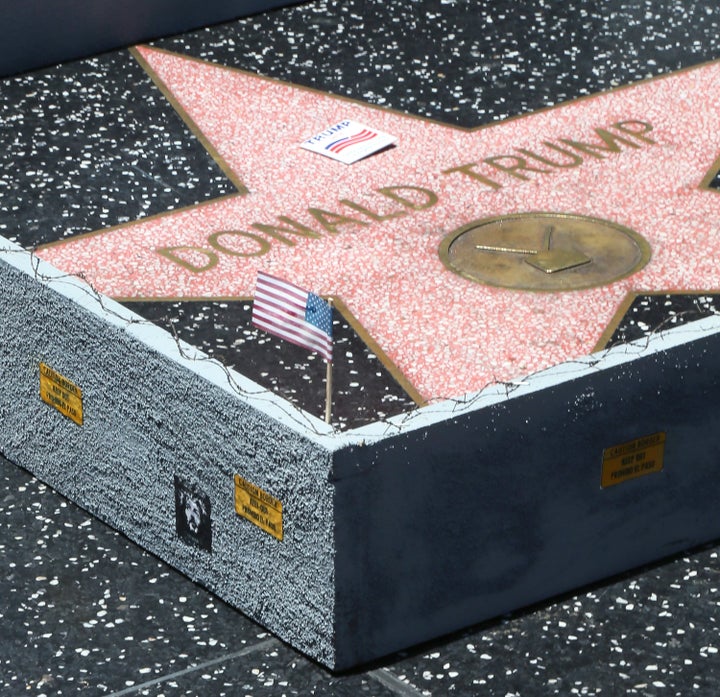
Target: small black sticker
x=192 y=515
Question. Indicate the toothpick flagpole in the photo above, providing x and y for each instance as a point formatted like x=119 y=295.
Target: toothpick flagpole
x=328 y=379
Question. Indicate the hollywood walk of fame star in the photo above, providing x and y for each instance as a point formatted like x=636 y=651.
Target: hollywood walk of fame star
x=369 y=233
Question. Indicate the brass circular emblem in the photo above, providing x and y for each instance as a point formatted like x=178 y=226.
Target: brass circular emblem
x=550 y=252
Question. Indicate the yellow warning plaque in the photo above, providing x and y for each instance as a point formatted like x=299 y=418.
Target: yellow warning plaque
x=59 y=392
x=258 y=507
x=633 y=459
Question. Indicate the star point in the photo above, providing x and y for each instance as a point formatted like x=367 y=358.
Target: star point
x=369 y=233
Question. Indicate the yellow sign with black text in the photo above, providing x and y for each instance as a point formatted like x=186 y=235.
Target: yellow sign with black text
x=633 y=459
x=258 y=507
x=59 y=392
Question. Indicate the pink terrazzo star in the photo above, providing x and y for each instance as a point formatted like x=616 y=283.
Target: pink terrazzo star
x=369 y=233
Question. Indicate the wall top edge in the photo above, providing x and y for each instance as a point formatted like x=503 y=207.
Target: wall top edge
x=497 y=393
x=159 y=340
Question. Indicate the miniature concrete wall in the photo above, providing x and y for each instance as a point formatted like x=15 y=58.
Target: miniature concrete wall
x=151 y=416
x=393 y=533
x=462 y=517
x=36 y=33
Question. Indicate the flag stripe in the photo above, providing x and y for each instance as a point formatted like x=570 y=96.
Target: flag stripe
x=282 y=309
x=342 y=143
x=278 y=306
x=314 y=340
x=360 y=138
x=293 y=325
x=311 y=343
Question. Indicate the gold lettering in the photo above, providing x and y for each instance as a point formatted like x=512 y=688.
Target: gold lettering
x=295 y=229
x=60 y=393
x=371 y=214
x=635 y=128
x=575 y=160
x=263 y=246
x=251 y=513
x=391 y=192
x=173 y=254
x=610 y=144
x=514 y=165
x=470 y=172
x=330 y=220
x=564 y=154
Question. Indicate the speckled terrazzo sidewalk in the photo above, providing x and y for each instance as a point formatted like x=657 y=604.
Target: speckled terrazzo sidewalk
x=93 y=144
x=86 y=612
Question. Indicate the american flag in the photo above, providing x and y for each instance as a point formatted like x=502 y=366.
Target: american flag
x=294 y=314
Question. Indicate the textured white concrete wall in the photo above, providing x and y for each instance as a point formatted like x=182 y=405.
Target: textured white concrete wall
x=153 y=411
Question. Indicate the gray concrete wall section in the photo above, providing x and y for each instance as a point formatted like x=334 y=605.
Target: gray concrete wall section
x=394 y=533
x=151 y=415
x=463 y=519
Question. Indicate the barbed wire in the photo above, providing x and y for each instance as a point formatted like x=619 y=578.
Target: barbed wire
x=441 y=406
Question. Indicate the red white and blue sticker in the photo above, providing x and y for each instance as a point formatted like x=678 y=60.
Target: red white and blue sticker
x=348 y=141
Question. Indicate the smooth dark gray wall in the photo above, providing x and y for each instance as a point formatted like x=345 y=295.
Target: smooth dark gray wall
x=444 y=527
x=37 y=33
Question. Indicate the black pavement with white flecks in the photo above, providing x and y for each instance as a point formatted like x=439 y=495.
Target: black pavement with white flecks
x=92 y=144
